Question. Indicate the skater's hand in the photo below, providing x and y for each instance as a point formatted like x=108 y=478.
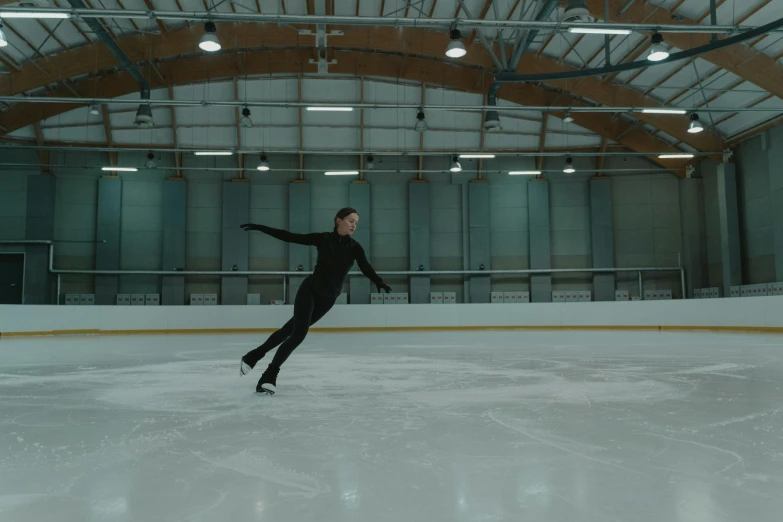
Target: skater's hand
x=383 y=286
x=249 y=226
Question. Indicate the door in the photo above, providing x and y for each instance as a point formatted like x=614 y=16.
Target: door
x=11 y=278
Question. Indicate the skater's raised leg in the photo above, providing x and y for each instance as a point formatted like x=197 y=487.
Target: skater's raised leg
x=251 y=358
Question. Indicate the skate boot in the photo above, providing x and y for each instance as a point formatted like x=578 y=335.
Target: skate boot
x=244 y=366
x=268 y=381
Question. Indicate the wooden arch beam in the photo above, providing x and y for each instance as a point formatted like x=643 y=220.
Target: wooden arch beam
x=92 y=59
x=746 y=62
x=295 y=61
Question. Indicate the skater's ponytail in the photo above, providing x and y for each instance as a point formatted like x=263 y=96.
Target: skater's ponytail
x=342 y=213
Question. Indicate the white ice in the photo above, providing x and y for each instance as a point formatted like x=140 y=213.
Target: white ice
x=468 y=426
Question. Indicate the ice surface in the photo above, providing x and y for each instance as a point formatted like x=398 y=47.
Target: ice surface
x=468 y=426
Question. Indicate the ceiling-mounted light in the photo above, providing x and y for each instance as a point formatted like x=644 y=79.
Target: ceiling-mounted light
x=576 y=11
x=658 y=51
x=569 y=166
x=144 y=116
x=369 y=164
x=597 y=30
x=95 y=110
x=150 y=164
x=119 y=169
x=421 y=123
x=341 y=172
x=213 y=153
x=455 y=165
x=567 y=118
x=40 y=15
x=492 y=122
x=245 y=120
x=3 y=39
x=476 y=156
x=264 y=165
x=695 y=126
x=209 y=41
x=525 y=173
x=675 y=156
x=456 y=49
x=663 y=111
x=317 y=108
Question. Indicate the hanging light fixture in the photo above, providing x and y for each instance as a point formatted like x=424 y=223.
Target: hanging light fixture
x=3 y=39
x=456 y=49
x=150 y=164
x=695 y=126
x=492 y=122
x=369 y=164
x=95 y=110
x=144 y=116
x=569 y=166
x=264 y=165
x=421 y=123
x=245 y=121
x=455 y=165
x=658 y=51
x=209 y=41
x=567 y=118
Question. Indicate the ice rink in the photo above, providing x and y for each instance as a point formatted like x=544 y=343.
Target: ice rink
x=463 y=426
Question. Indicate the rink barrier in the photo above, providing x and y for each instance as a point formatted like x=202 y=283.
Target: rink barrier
x=756 y=314
x=213 y=331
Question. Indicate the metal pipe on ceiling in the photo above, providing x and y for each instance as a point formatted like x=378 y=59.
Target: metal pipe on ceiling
x=441 y=23
x=510 y=77
x=367 y=106
x=82 y=168
x=104 y=36
x=374 y=152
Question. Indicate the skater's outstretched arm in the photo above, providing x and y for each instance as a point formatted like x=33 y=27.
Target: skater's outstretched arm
x=368 y=270
x=284 y=235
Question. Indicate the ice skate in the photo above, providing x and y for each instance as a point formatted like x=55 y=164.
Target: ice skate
x=268 y=381
x=244 y=368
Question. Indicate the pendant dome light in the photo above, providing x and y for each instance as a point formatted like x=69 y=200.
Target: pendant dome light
x=209 y=41
x=456 y=49
x=455 y=165
x=695 y=126
x=658 y=51
x=421 y=123
x=264 y=165
x=245 y=121
x=569 y=166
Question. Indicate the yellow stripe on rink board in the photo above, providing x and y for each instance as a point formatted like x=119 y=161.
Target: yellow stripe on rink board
x=196 y=331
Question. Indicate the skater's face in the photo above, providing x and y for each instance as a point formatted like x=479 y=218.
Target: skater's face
x=347 y=225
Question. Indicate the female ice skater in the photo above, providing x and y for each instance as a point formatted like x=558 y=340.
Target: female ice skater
x=337 y=251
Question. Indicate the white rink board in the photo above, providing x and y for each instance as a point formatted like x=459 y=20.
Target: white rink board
x=759 y=312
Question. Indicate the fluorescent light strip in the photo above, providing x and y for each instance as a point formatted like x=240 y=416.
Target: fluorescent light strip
x=476 y=156
x=331 y=109
x=213 y=153
x=40 y=15
x=524 y=173
x=342 y=173
x=119 y=169
x=597 y=30
x=675 y=156
x=664 y=111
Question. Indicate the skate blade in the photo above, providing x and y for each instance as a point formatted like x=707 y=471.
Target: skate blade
x=267 y=389
x=244 y=368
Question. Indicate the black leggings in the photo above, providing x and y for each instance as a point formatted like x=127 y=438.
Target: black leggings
x=309 y=307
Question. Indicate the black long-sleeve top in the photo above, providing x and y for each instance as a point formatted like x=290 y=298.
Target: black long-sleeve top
x=336 y=256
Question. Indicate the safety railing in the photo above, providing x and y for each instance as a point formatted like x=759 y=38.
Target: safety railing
x=285 y=274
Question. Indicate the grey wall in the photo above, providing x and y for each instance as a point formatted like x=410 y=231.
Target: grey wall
x=755 y=208
x=645 y=213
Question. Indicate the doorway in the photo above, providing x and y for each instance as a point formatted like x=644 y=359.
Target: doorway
x=11 y=278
